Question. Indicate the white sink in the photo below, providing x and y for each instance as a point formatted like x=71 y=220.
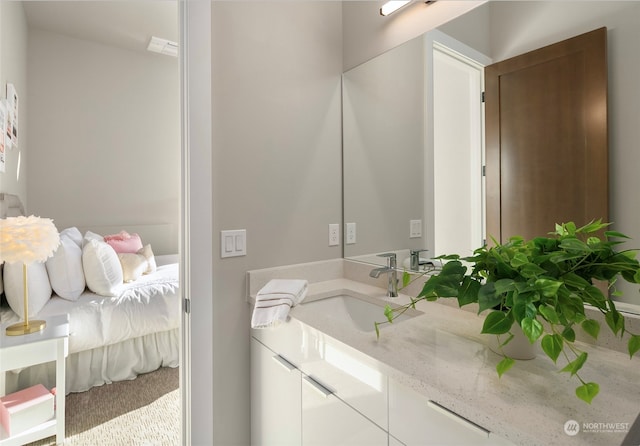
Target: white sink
x=361 y=314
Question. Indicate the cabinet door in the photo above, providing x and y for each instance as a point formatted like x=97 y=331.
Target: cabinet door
x=414 y=420
x=275 y=399
x=327 y=420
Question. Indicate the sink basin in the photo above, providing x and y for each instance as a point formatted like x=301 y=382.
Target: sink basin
x=360 y=313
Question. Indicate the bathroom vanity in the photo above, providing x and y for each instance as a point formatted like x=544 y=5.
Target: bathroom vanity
x=324 y=378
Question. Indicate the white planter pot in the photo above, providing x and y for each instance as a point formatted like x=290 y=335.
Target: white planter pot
x=518 y=348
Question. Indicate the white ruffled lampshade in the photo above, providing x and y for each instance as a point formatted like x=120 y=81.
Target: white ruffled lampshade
x=27 y=239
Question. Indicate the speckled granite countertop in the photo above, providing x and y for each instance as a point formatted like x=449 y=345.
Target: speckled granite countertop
x=442 y=355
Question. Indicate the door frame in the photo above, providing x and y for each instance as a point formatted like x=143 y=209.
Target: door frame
x=196 y=234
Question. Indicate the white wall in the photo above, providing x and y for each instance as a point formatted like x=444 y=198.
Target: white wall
x=276 y=166
x=104 y=135
x=13 y=69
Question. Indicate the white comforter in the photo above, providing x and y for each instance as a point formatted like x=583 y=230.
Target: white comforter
x=150 y=304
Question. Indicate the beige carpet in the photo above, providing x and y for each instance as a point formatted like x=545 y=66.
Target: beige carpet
x=141 y=412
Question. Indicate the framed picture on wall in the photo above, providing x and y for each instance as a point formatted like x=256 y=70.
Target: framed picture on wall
x=3 y=131
x=12 y=111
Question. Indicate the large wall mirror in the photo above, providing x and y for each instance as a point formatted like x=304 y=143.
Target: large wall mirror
x=401 y=192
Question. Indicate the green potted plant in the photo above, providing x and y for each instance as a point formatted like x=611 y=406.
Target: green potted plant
x=541 y=287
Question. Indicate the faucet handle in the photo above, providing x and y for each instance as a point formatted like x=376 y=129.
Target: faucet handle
x=415 y=258
x=391 y=258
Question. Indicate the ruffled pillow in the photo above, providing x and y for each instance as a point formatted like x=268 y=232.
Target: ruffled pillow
x=123 y=242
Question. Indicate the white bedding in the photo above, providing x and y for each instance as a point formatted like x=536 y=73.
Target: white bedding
x=151 y=304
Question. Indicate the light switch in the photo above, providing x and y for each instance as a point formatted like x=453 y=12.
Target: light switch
x=228 y=243
x=233 y=243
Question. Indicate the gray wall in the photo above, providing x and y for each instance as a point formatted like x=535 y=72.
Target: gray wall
x=104 y=143
x=383 y=117
x=13 y=69
x=275 y=169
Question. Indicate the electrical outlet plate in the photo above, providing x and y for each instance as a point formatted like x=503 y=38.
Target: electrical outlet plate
x=350 y=234
x=334 y=234
x=415 y=228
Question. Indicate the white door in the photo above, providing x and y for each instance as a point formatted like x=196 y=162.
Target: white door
x=455 y=141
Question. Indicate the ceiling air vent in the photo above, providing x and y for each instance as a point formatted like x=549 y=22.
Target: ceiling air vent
x=163 y=46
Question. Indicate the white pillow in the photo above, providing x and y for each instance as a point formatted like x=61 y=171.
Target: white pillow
x=102 y=269
x=39 y=288
x=65 y=269
x=74 y=234
x=91 y=236
x=151 y=260
x=133 y=265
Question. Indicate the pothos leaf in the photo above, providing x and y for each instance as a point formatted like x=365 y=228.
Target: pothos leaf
x=504 y=365
x=497 y=322
x=388 y=312
x=406 y=278
x=587 y=392
x=531 y=328
x=576 y=364
x=592 y=327
x=552 y=346
x=634 y=345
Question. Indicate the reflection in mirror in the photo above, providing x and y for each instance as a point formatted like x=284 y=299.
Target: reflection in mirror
x=379 y=189
x=407 y=111
x=383 y=113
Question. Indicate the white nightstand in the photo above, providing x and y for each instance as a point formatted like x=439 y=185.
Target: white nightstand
x=51 y=344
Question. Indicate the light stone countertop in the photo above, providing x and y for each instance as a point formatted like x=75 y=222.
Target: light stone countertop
x=442 y=355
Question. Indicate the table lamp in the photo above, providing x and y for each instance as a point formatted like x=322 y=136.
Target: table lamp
x=26 y=240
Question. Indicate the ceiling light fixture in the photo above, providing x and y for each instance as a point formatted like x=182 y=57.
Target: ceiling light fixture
x=392 y=6
x=163 y=46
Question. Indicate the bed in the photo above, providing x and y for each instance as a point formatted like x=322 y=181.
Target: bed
x=112 y=338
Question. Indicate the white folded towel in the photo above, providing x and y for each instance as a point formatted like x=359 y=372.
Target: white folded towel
x=275 y=299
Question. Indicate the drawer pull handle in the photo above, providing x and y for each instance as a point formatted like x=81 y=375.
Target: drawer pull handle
x=289 y=367
x=462 y=420
x=321 y=389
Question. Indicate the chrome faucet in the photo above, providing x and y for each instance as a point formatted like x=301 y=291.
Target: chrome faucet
x=390 y=270
x=415 y=258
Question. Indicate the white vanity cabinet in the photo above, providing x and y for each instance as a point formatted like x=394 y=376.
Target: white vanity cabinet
x=288 y=406
x=416 y=420
x=275 y=398
x=327 y=420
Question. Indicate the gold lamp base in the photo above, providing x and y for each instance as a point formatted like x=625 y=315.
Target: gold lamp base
x=23 y=328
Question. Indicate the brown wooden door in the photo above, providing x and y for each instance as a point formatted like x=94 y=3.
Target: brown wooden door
x=546 y=130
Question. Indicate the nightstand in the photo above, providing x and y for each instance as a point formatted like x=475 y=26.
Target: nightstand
x=51 y=344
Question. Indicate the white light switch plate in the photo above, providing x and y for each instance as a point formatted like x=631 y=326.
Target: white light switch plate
x=233 y=243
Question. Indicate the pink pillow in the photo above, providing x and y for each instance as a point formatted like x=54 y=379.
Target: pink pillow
x=123 y=242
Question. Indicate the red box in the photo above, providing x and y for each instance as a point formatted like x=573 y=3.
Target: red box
x=24 y=409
